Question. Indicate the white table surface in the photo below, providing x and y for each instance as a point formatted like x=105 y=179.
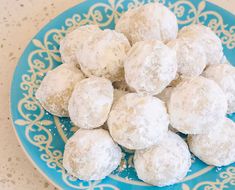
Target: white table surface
x=19 y=21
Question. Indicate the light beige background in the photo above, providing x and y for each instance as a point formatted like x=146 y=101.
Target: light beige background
x=19 y=21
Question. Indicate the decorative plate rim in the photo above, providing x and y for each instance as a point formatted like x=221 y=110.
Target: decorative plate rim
x=30 y=158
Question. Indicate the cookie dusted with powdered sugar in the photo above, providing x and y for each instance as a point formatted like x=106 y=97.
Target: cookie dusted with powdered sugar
x=138 y=121
x=56 y=88
x=217 y=147
x=102 y=55
x=197 y=105
x=90 y=102
x=165 y=163
x=191 y=56
x=210 y=42
x=224 y=76
x=150 y=66
x=73 y=41
x=91 y=154
x=152 y=21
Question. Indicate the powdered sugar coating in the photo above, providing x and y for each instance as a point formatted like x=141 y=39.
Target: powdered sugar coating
x=165 y=163
x=224 y=76
x=56 y=88
x=191 y=56
x=102 y=55
x=91 y=154
x=197 y=105
x=150 y=66
x=207 y=38
x=73 y=42
x=90 y=102
x=138 y=121
x=152 y=21
x=217 y=147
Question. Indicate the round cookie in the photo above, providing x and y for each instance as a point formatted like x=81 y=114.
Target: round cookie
x=150 y=66
x=197 y=105
x=152 y=21
x=217 y=147
x=91 y=154
x=224 y=76
x=102 y=55
x=207 y=38
x=73 y=41
x=90 y=102
x=56 y=88
x=138 y=121
x=165 y=163
x=191 y=56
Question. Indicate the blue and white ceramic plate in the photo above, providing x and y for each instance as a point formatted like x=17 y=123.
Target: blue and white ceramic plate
x=43 y=136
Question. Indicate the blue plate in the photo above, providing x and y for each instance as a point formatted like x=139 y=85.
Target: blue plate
x=43 y=136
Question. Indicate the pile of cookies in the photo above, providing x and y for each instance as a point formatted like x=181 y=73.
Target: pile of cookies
x=137 y=85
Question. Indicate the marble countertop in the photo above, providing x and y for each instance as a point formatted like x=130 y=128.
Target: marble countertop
x=19 y=21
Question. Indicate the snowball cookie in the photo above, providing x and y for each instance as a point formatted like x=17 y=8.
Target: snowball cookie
x=191 y=56
x=150 y=66
x=197 y=105
x=91 y=154
x=152 y=21
x=56 y=88
x=224 y=76
x=90 y=102
x=138 y=121
x=208 y=39
x=163 y=164
x=102 y=54
x=73 y=42
x=216 y=148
